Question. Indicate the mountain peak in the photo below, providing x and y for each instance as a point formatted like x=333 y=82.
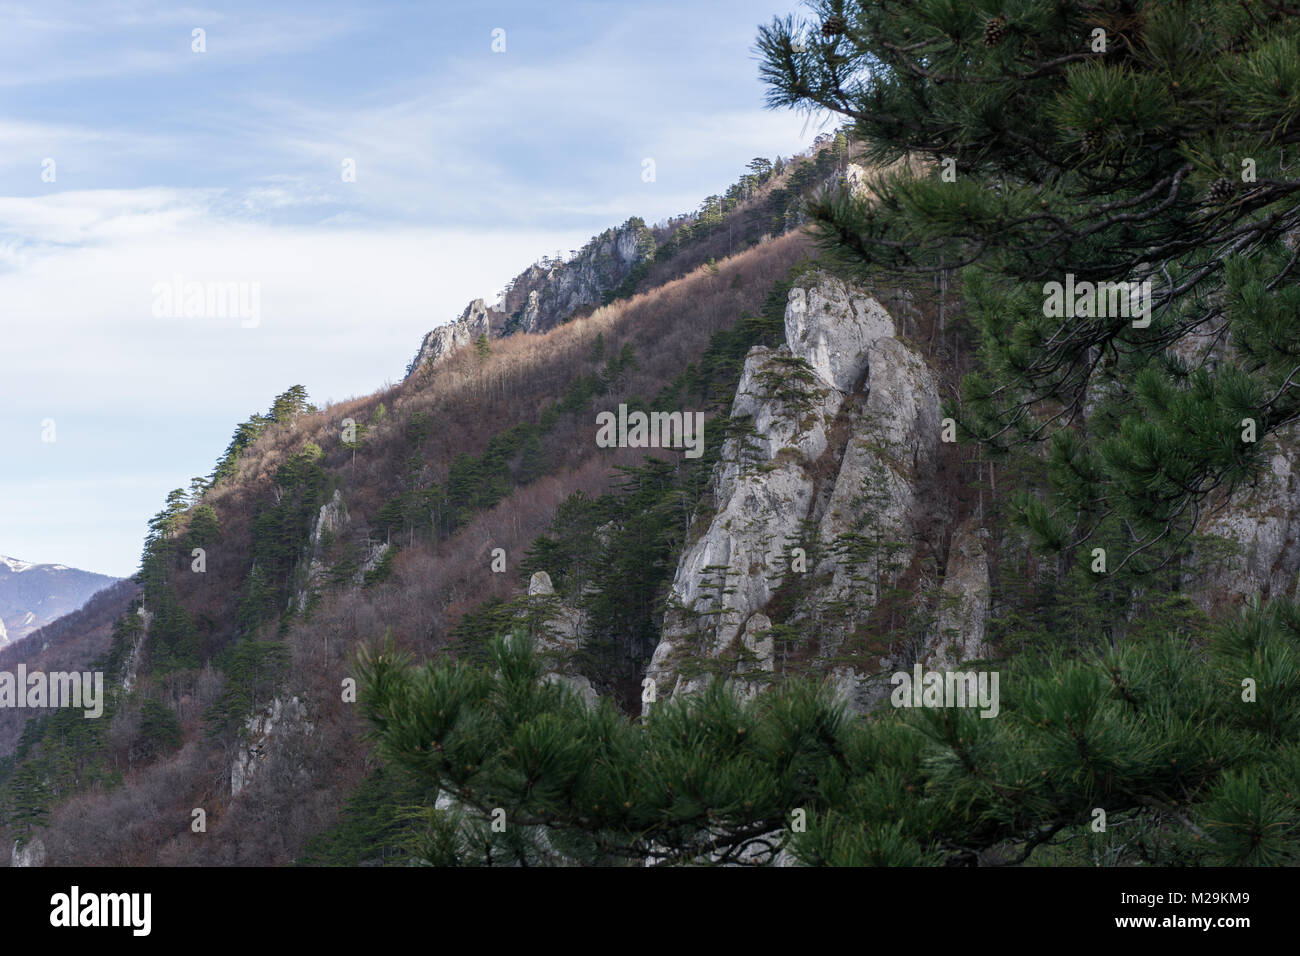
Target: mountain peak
x=32 y=595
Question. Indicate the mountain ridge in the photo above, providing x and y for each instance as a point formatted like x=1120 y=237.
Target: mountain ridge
x=33 y=595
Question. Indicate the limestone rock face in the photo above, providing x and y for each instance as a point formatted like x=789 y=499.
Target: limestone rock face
x=31 y=853
x=563 y=624
x=332 y=521
x=964 y=606
x=543 y=297
x=278 y=719
x=477 y=320
x=562 y=629
x=576 y=683
x=855 y=177
x=546 y=294
x=1264 y=524
x=771 y=484
x=539 y=585
x=764 y=490
x=894 y=438
x=831 y=328
x=132 y=664
x=333 y=517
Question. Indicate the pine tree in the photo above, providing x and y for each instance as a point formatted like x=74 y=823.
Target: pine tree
x=1148 y=142
x=1162 y=740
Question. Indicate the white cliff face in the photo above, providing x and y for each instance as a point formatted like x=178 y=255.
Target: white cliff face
x=132 y=663
x=474 y=322
x=764 y=491
x=894 y=440
x=1263 y=522
x=332 y=521
x=278 y=718
x=831 y=326
x=549 y=297
x=31 y=853
x=767 y=484
x=545 y=295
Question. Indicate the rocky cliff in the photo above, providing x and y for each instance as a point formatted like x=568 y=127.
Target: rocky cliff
x=824 y=470
x=546 y=294
x=476 y=321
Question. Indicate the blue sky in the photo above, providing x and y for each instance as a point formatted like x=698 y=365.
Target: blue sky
x=226 y=166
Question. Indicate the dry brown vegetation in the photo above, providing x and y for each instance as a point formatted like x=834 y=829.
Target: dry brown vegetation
x=300 y=787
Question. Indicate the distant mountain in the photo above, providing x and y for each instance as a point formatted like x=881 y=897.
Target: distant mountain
x=33 y=595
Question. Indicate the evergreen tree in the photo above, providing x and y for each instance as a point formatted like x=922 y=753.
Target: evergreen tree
x=1136 y=142
x=1199 y=751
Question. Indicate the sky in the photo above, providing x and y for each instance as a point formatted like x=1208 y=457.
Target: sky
x=353 y=173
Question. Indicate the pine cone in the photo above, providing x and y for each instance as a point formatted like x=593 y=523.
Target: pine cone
x=995 y=30
x=834 y=26
x=1091 y=140
x=1220 y=191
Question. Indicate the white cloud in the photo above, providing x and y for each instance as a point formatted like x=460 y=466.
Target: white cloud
x=372 y=291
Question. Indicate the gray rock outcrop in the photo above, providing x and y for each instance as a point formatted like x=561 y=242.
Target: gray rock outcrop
x=476 y=321
x=545 y=294
x=31 y=853
x=964 y=602
x=771 y=486
x=261 y=732
x=1262 y=525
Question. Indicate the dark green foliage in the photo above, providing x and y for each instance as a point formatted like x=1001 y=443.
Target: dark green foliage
x=173 y=638
x=382 y=570
x=205 y=528
x=791 y=381
x=280 y=535
x=160 y=731
x=514 y=457
x=60 y=752
x=565 y=552
x=377 y=825
x=245 y=434
x=1156 y=736
x=291 y=403
x=616 y=554
x=126 y=634
x=634 y=558
x=253 y=671
x=477 y=629
x=1044 y=156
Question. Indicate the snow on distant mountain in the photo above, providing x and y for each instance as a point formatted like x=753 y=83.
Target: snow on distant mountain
x=33 y=595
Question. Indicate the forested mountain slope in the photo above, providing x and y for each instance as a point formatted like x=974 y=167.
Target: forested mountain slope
x=482 y=617
x=384 y=516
